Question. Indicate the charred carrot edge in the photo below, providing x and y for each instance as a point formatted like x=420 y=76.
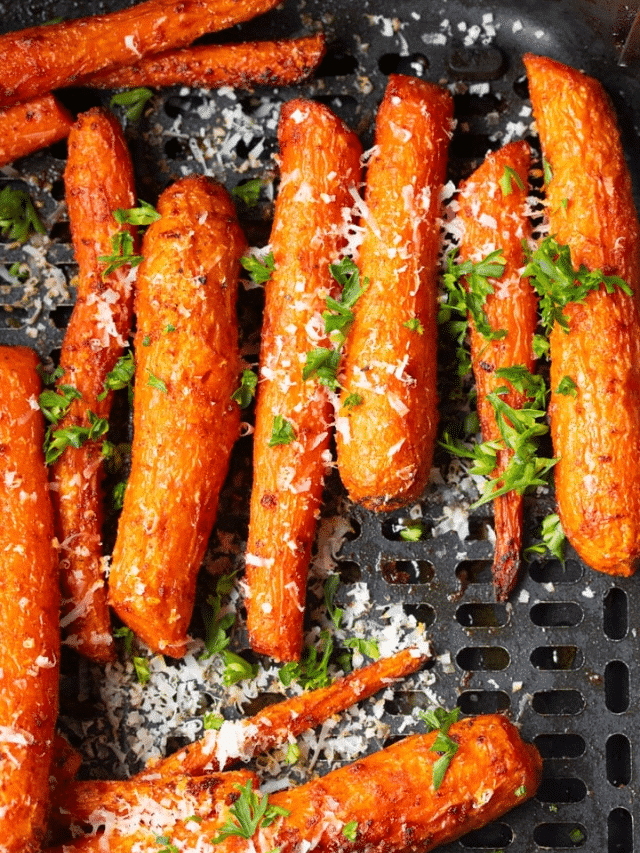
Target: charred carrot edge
x=135 y=814
x=385 y=443
x=240 y=741
x=389 y=799
x=28 y=127
x=184 y=420
x=270 y=63
x=320 y=164
x=38 y=59
x=590 y=207
x=493 y=219
x=98 y=180
x=29 y=602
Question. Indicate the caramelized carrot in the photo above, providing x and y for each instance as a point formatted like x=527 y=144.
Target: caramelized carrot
x=184 y=420
x=319 y=162
x=28 y=127
x=596 y=431
x=41 y=58
x=385 y=442
x=269 y=63
x=492 y=213
x=388 y=799
x=29 y=602
x=98 y=180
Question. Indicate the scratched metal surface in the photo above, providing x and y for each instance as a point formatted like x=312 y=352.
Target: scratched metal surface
x=562 y=657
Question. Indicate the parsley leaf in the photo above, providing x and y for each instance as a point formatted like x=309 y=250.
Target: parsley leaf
x=282 y=432
x=54 y=405
x=18 y=215
x=338 y=318
x=57 y=441
x=19 y=271
x=134 y=100
x=251 y=810
x=141 y=667
x=553 y=538
x=365 y=647
x=293 y=753
x=122 y=255
x=441 y=720
x=259 y=270
x=155 y=382
x=120 y=376
x=128 y=636
x=212 y=721
x=167 y=847
x=323 y=363
x=247 y=390
x=567 y=387
x=350 y=830
x=352 y=400
x=216 y=627
x=236 y=668
x=144 y=214
x=414 y=325
x=510 y=177
x=311 y=671
x=558 y=283
x=330 y=587
x=248 y=192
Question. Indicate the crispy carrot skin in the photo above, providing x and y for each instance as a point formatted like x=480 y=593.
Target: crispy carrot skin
x=269 y=63
x=596 y=434
x=28 y=127
x=390 y=798
x=385 y=444
x=494 y=220
x=38 y=59
x=184 y=421
x=29 y=602
x=98 y=180
x=320 y=163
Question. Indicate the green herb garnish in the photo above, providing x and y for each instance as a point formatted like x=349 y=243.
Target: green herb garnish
x=144 y=214
x=247 y=390
x=567 y=387
x=122 y=254
x=251 y=810
x=282 y=432
x=553 y=538
x=350 y=830
x=212 y=721
x=323 y=363
x=311 y=671
x=414 y=325
x=57 y=441
x=155 y=382
x=134 y=100
x=120 y=376
x=18 y=215
x=510 y=177
x=441 y=720
x=352 y=400
x=141 y=667
x=259 y=271
x=248 y=192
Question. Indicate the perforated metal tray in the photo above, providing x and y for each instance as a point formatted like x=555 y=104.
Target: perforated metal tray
x=561 y=658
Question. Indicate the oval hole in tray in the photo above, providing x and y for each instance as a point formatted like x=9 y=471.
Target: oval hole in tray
x=557 y=658
x=407 y=571
x=563 y=702
x=618 y=753
x=552 y=571
x=561 y=790
x=422 y=613
x=620 y=831
x=494 y=836
x=483 y=658
x=560 y=745
x=561 y=614
x=483 y=701
x=477 y=615
x=474 y=571
x=567 y=835
x=616 y=686
x=615 y=614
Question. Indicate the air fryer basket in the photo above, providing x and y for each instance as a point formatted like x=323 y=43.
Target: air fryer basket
x=561 y=658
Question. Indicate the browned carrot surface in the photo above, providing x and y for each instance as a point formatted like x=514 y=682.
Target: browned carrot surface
x=319 y=162
x=28 y=127
x=98 y=180
x=389 y=799
x=269 y=63
x=38 y=59
x=496 y=219
x=184 y=420
x=29 y=602
x=385 y=444
x=596 y=433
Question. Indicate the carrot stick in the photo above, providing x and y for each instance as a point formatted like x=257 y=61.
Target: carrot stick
x=184 y=421
x=319 y=161
x=41 y=58
x=388 y=800
x=98 y=180
x=492 y=212
x=269 y=63
x=596 y=429
x=28 y=127
x=385 y=442
x=29 y=602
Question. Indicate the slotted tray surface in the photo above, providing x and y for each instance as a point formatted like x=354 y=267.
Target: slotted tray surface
x=561 y=657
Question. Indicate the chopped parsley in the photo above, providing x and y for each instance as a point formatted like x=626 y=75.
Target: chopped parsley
x=260 y=271
x=352 y=400
x=167 y=846
x=350 y=830
x=134 y=100
x=311 y=671
x=144 y=214
x=567 y=387
x=553 y=538
x=330 y=587
x=141 y=667
x=120 y=376
x=212 y=721
x=414 y=325
x=546 y=171
x=247 y=390
x=510 y=177
x=338 y=318
x=56 y=441
x=249 y=812
x=122 y=254
x=282 y=431
x=54 y=405
x=19 y=271
x=236 y=668
x=155 y=382
x=293 y=753
x=369 y=648
x=521 y=791
x=248 y=192
x=323 y=363
x=412 y=531
x=18 y=216
x=440 y=720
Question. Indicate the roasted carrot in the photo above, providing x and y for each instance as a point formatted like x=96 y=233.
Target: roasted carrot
x=29 y=602
x=98 y=180
x=320 y=166
x=493 y=216
x=388 y=800
x=596 y=428
x=28 y=127
x=184 y=420
x=41 y=58
x=269 y=63
x=385 y=441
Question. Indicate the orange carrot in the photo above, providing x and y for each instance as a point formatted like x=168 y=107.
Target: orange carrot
x=269 y=63
x=29 y=602
x=492 y=213
x=28 y=127
x=596 y=429
x=385 y=441
x=386 y=801
x=184 y=420
x=98 y=180
x=41 y=58
x=319 y=161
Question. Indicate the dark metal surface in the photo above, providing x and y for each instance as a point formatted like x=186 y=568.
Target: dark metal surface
x=562 y=657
